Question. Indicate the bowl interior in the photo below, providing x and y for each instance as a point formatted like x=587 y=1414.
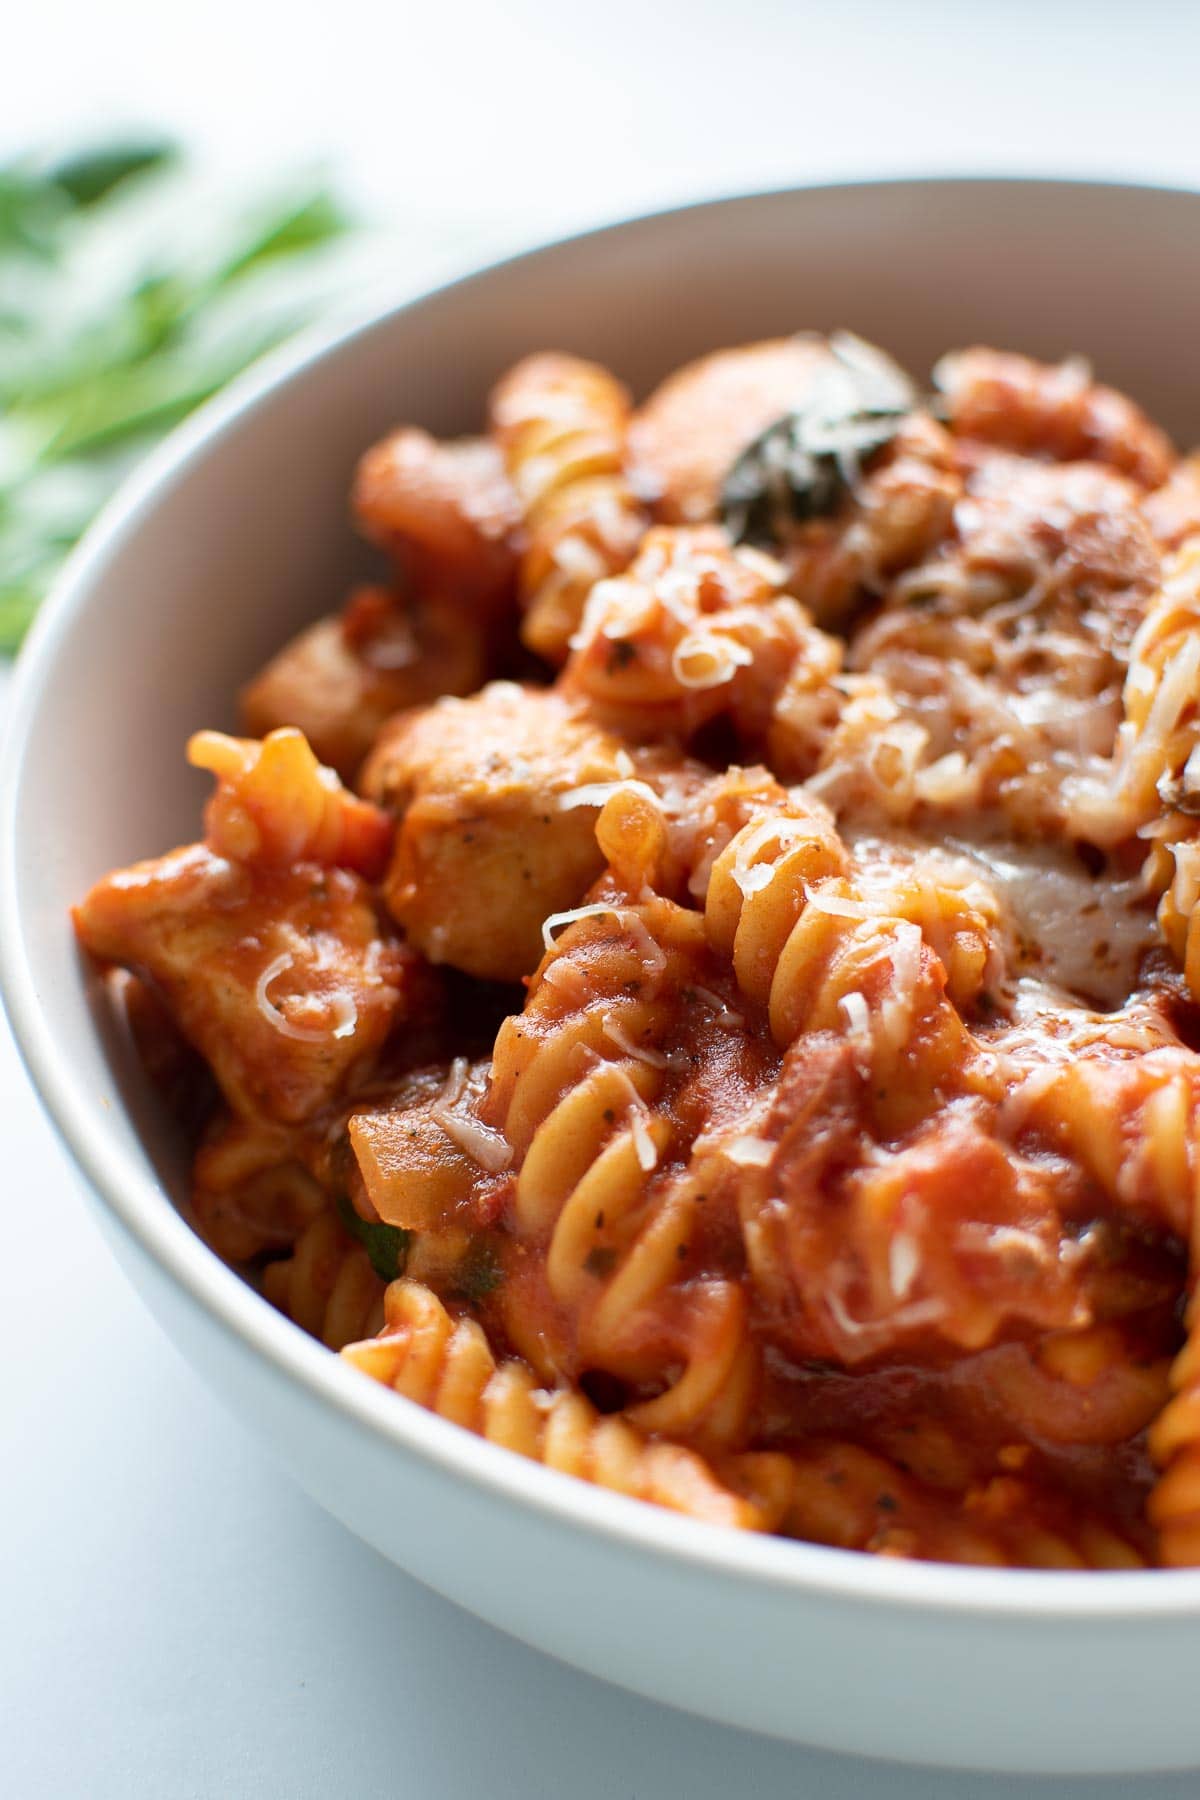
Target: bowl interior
x=238 y=534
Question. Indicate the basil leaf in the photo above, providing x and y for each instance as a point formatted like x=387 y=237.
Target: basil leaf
x=802 y=466
x=387 y=1246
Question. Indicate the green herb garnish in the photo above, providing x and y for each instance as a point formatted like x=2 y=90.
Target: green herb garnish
x=129 y=293
x=478 y=1273
x=803 y=464
x=387 y=1246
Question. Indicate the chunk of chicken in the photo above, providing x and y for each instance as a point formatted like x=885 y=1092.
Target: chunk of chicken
x=284 y=979
x=445 y=513
x=344 y=676
x=489 y=842
x=1053 y=410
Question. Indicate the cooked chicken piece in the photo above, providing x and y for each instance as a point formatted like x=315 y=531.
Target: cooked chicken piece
x=284 y=980
x=445 y=513
x=344 y=676
x=490 y=840
x=1053 y=410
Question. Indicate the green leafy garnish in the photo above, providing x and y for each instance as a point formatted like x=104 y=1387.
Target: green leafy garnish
x=387 y=1246
x=801 y=466
x=130 y=292
x=478 y=1273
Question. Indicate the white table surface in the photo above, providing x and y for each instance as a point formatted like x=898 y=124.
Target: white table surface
x=176 y=1619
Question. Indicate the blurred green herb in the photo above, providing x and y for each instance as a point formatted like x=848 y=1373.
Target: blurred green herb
x=478 y=1273
x=386 y=1245
x=129 y=293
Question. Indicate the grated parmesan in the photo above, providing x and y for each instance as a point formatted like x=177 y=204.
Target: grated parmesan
x=904 y=1260
x=346 y=1014
x=754 y=880
x=654 y=957
x=484 y=1145
x=558 y=920
x=654 y=1059
x=719 y=660
x=750 y=1152
x=868 y=1335
x=854 y=1009
x=643 y=1143
x=481 y=1143
x=837 y=905
x=725 y=1014
x=344 y=1010
x=596 y=793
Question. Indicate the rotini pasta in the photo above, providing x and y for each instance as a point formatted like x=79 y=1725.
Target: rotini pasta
x=698 y=631
x=327 y=1285
x=754 y=1070
x=448 y=1366
x=561 y=423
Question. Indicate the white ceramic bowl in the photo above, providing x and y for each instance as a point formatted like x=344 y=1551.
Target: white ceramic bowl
x=234 y=535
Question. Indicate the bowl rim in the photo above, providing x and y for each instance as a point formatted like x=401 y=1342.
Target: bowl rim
x=142 y=1208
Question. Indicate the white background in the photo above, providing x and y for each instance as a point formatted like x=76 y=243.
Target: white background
x=175 y=1618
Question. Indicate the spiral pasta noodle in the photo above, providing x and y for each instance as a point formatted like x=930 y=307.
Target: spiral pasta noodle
x=574 y=1086
x=809 y=947
x=1174 y=1506
x=274 y=804
x=843 y=1494
x=448 y=1366
x=327 y=1285
x=561 y=423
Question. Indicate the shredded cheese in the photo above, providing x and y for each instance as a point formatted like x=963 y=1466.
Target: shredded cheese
x=837 y=905
x=750 y=1152
x=346 y=1014
x=485 y=1146
x=754 y=880
x=732 y=1021
x=653 y=1059
x=854 y=1009
x=905 y=957
x=654 y=957
x=596 y=793
x=643 y=1143
x=344 y=1010
x=904 y=1260
x=867 y=1335
x=703 y=660
x=481 y=1143
x=558 y=920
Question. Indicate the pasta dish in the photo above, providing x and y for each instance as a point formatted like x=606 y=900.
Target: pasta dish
x=692 y=974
